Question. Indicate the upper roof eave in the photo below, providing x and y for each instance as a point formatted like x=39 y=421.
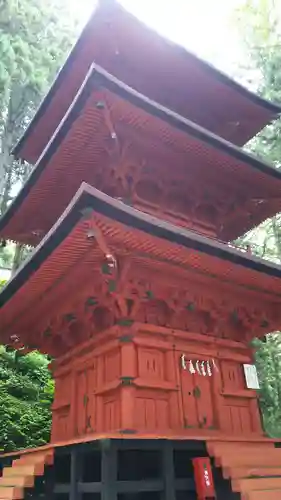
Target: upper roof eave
x=97 y=76
x=272 y=107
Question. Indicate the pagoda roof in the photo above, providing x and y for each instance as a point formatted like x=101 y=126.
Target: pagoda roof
x=240 y=189
x=163 y=71
x=66 y=260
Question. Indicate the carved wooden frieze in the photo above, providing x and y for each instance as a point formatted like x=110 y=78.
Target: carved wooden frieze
x=143 y=176
x=139 y=292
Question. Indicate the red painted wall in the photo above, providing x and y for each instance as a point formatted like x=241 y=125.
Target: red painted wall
x=131 y=379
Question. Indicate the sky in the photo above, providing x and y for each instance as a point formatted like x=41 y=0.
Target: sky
x=203 y=26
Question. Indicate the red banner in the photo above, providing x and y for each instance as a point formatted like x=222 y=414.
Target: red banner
x=203 y=478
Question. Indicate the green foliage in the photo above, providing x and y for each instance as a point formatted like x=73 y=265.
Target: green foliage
x=35 y=38
x=268 y=361
x=2 y=283
x=259 y=23
x=6 y=256
x=26 y=394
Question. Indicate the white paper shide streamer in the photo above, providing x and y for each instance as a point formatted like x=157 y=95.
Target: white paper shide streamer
x=200 y=367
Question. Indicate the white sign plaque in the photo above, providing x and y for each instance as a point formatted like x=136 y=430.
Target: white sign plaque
x=251 y=377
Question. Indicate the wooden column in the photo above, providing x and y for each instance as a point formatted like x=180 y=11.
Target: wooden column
x=73 y=405
x=108 y=470
x=168 y=471
x=74 y=476
x=128 y=375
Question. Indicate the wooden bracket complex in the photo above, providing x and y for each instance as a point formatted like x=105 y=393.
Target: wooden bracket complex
x=94 y=233
x=117 y=271
x=103 y=106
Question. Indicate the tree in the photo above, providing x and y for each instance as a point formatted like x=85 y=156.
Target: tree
x=26 y=394
x=35 y=37
x=259 y=23
x=268 y=361
x=6 y=256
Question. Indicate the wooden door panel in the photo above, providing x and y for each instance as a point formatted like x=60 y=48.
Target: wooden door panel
x=198 y=399
x=232 y=376
x=239 y=410
x=188 y=399
x=238 y=416
x=204 y=403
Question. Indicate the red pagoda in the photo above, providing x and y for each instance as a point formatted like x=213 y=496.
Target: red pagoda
x=139 y=183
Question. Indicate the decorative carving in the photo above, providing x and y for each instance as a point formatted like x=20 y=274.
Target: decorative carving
x=155 y=312
x=197 y=307
x=138 y=290
x=135 y=179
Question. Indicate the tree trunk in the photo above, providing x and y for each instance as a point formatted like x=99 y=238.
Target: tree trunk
x=17 y=258
x=277 y=235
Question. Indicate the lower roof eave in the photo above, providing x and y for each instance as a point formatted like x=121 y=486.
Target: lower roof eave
x=89 y=198
x=188 y=436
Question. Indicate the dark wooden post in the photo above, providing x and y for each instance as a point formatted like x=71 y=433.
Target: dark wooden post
x=74 y=476
x=108 y=470
x=168 y=471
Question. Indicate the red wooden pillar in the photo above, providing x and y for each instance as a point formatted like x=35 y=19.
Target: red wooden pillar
x=220 y=422
x=175 y=414
x=128 y=374
x=72 y=430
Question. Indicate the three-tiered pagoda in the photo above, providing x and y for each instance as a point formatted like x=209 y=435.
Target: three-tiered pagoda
x=139 y=183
